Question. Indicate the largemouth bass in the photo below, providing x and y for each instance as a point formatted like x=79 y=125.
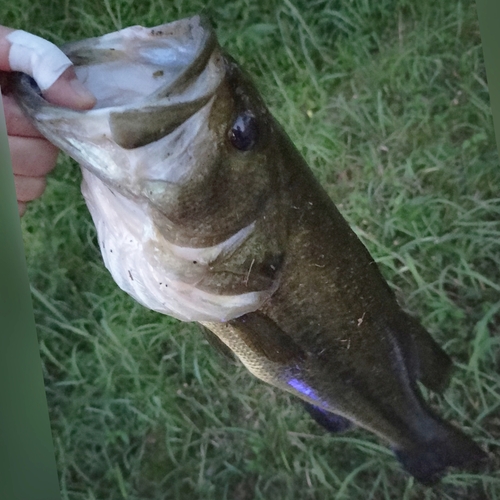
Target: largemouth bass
x=205 y=211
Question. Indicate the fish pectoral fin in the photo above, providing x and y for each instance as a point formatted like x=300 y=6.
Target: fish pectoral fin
x=217 y=343
x=261 y=334
x=330 y=421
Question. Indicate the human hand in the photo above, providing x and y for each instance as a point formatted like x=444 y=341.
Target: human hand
x=33 y=157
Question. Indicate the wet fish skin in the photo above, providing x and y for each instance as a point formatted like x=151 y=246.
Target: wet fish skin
x=326 y=327
x=334 y=335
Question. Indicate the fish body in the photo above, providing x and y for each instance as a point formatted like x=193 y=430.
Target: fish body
x=205 y=211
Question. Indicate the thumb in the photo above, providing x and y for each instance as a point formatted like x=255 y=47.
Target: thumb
x=68 y=91
x=47 y=64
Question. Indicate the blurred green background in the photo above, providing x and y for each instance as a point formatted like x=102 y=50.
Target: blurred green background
x=388 y=103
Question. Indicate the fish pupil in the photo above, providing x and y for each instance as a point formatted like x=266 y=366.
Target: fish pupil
x=243 y=134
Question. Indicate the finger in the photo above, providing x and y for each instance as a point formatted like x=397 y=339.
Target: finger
x=4 y=48
x=35 y=56
x=21 y=208
x=29 y=188
x=32 y=157
x=47 y=64
x=17 y=123
x=68 y=91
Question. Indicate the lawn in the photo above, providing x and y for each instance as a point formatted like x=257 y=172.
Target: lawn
x=388 y=102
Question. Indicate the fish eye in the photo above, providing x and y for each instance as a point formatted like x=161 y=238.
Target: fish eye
x=244 y=132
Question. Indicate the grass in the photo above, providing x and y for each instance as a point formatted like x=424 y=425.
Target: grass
x=388 y=102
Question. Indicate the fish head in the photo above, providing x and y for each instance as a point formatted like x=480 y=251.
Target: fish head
x=177 y=127
x=180 y=171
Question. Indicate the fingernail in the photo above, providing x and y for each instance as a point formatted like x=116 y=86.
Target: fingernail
x=83 y=93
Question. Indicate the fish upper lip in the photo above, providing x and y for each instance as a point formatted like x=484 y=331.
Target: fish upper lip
x=195 y=31
x=198 y=63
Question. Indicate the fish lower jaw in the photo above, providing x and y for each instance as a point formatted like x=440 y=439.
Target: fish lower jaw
x=157 y=274
x=164 y=291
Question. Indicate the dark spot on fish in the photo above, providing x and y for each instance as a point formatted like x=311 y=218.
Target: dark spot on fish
x=195 y=262
x=130 y=274
x=158 y=73
x=156 y=32
x=244 y=132
x=112 y=48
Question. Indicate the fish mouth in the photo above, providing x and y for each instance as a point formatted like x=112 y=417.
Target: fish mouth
x=160 y=62
x=148 y=81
